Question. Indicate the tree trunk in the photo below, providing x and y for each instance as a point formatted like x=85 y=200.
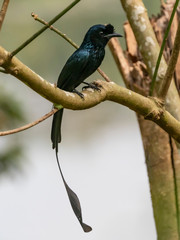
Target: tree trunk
x=162 y=162
x=137 y=66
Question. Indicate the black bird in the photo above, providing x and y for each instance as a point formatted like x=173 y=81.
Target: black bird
x=81 y=64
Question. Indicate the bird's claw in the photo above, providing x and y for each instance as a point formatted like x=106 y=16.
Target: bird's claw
x=92 y=85
x=78 y=93
x=97 y=85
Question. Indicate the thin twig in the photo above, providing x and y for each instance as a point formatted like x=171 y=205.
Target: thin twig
x=104 y=75
x=35 y=16
x=3 y=11
x=20 y=129
x=171 y=66
x=44 y=28
x=162 y=48
x=120 y=60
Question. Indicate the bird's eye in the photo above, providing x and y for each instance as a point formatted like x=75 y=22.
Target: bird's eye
x=101 y=33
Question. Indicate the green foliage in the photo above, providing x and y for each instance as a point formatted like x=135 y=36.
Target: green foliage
x=11 y=115
x=10 y=160
x=10 y=110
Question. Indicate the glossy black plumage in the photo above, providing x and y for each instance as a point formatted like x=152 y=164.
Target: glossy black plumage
x=81 y=64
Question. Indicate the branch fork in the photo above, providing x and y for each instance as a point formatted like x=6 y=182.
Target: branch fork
x=157 y=112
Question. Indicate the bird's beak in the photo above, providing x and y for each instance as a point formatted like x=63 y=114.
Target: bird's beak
x=113 y=35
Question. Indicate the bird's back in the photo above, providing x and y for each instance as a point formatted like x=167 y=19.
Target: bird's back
x=82 y=63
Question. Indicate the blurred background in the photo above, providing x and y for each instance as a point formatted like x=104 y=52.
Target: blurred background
x=101 y=153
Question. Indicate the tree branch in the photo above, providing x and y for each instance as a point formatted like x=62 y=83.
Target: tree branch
x=52 y=28
x=162 y=47
x=149 y=48
x=171 y=66
x=120 y=60
x=3 y=12
x=34 y=36
x=147 y=107
x=27 y=126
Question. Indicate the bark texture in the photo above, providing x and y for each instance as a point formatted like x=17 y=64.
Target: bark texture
x=136 y=65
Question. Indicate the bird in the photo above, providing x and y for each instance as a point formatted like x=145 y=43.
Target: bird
x=80 y=65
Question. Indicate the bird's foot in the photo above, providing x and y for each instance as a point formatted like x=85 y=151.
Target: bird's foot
x=78 y=93
x=91 y=85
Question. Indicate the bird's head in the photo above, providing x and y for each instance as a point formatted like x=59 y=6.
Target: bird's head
x=100 y=34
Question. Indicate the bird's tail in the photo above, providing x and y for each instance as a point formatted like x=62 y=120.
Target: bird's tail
x=56 y=129
x=74 y=200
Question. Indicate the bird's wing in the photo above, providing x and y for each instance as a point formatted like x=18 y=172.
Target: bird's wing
x=72 y=73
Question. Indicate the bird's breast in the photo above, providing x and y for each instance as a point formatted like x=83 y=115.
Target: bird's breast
x=96 y=56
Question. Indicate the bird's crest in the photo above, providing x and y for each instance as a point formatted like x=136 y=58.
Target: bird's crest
x=109 y=28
